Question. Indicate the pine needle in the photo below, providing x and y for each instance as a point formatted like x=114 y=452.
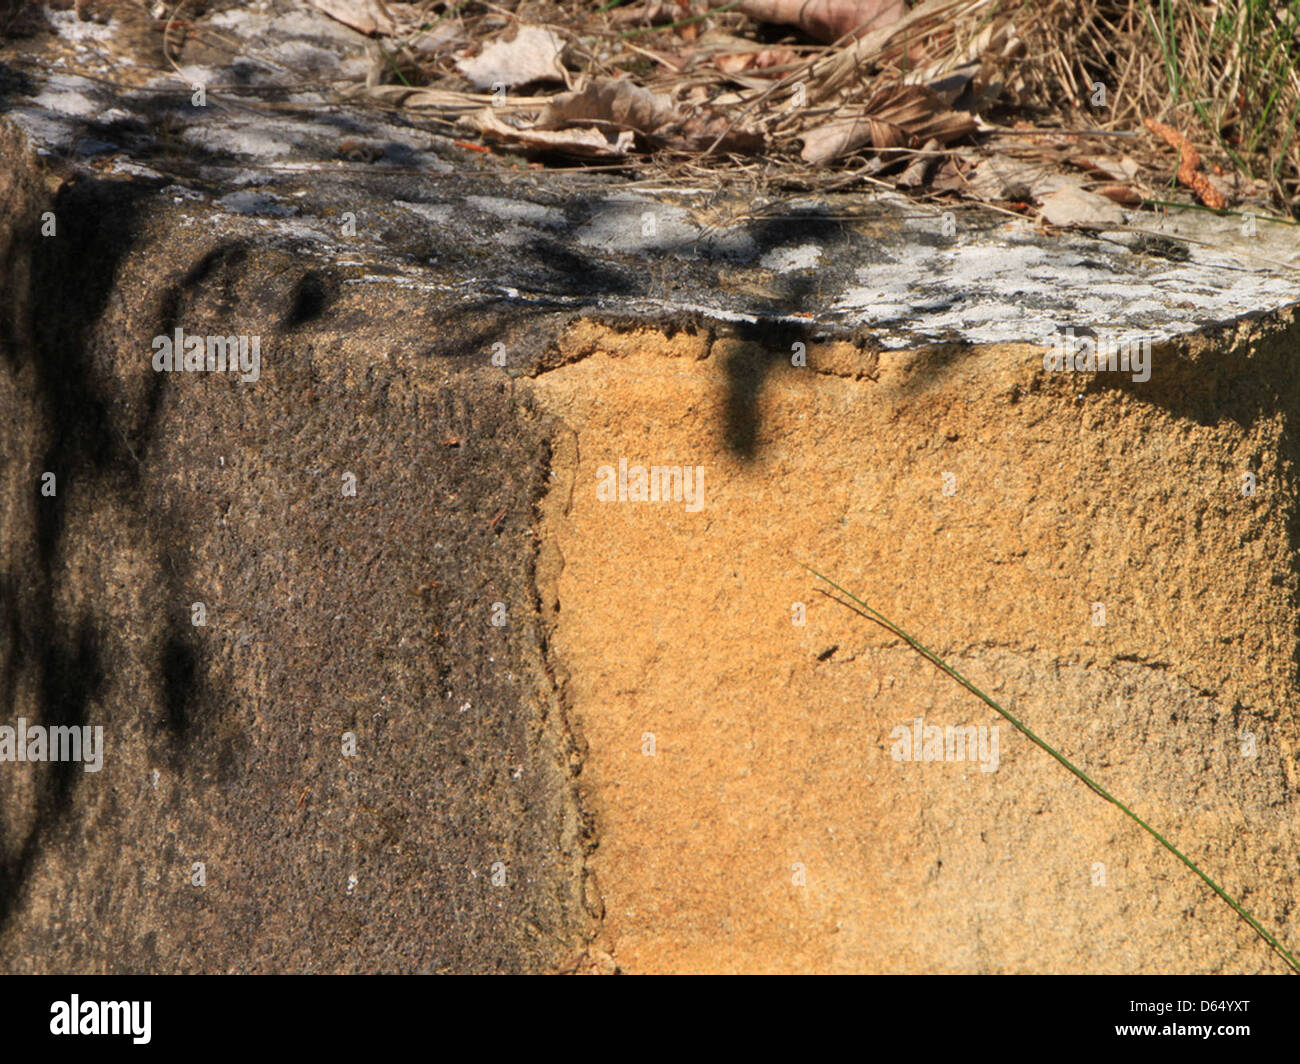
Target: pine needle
x=934 y=659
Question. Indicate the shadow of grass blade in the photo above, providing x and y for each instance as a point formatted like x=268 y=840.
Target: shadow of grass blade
x=871 y=614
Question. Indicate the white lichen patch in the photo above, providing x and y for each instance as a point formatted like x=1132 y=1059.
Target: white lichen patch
x=788 y=259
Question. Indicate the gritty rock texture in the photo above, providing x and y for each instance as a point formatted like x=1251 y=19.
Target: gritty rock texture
x=450 y=841
x=755 y=813
x=590 y=735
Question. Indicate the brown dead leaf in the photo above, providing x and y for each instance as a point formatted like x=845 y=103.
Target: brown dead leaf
x=422 y=99
x=754 y=62
x=585 y=142
x=949 y=177
x=702 y=130
x=826 y=20
x=676 y=61
x=1001 y=176
x=441 y=37
x=849 y=62
x=365 y=16
x=1112 y=168
x=1124 y=195
x=895 y=116
x=919 y=168
x=648 y=14
x=947 y=85
x=611 y=100
x=620 y=105
x=532 y=55
x=1070 y=205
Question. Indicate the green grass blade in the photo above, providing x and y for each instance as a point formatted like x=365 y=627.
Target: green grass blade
x=934 y=659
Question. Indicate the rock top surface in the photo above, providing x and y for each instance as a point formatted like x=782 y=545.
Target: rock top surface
x=274 y=153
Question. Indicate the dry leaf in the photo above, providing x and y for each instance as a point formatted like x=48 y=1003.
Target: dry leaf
x=610 y=100
x=421 y=99
x=1075 y=206
x=647 y=14
x=677 y=61
x=702 y=131
x=919 y=168
x=1124 y=195
x=588 y=142
x=759 y=59
x=835 y=139
x=440 y=38
x=948 y=178
x=533 y=55
x=1108 y=166
x=848 y=64
x=622 y=105
x=1006 y=177
x=365 y=16
x=895 y=116
x=826 y=20
x=948 y=85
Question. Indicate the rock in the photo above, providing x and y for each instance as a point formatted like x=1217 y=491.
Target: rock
x=394 y=661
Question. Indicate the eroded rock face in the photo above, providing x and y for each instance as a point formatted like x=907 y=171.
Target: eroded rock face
x=1081 y=548
x=348 y=527
x=398 y=524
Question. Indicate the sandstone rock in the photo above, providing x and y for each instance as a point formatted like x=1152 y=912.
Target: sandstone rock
x=588 y=726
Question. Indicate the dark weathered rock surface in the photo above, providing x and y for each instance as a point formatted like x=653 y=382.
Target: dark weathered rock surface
x=326 y=613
